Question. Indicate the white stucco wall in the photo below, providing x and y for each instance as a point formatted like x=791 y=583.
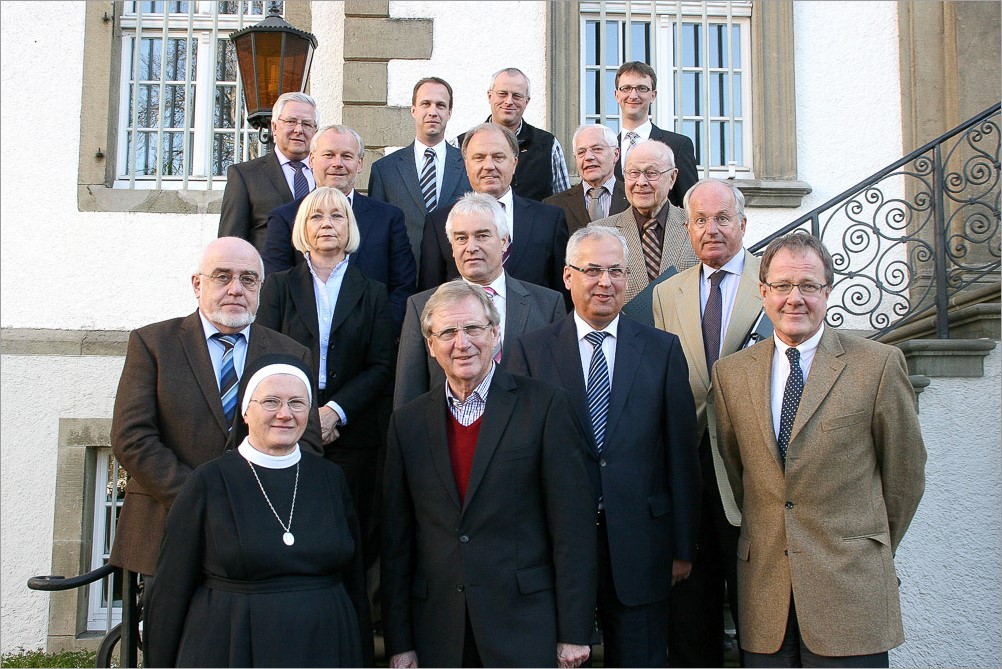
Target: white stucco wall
x=37 y=392
x=948 y=562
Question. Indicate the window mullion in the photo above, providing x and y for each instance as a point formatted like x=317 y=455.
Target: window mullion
x=189 y=131
x=132 y=146
x=164 y=40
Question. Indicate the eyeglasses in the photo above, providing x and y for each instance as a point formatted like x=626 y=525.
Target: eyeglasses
x=293 y=122
x=722 y=221
x=472 y=331
x=295 y=405
x=223 y=279
x=807 y=289
x=652 y=175
x=594 y=272
x=639 y=89
x=515 y=97
x=597 y=150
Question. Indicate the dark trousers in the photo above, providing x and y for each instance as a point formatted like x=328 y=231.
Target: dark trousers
x=632 y=636
x=793 y=652
x=696 y=625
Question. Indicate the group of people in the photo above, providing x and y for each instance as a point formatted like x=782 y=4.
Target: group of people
x=555 y=416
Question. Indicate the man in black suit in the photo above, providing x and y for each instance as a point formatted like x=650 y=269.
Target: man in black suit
x=489 y=526
x=385 y=254
x=600 y=193
x=428 y=172
x=636 y=89
x=628 y=384
x=538 y=231
x=170 y=411
x=255 y=188
x=479 y=234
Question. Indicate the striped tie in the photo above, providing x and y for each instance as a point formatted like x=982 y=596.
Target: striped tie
x=228 y=376
x=429 y=180
x=301 y=187
x=652 y=248
x=497 y=349
x=598 y=387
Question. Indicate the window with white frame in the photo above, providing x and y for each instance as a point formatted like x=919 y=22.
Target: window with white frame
x=109 y=492
x=702 y=54
x=181 y=117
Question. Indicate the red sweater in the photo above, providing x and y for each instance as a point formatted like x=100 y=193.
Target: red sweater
x=462 y=444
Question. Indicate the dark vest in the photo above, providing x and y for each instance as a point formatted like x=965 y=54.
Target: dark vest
x=534 y=173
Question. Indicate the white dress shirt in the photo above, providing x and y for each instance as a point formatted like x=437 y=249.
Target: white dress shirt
x=587 y=350
x=500 y=298
x=419 y=159
x=645 y=133
x=781 y=370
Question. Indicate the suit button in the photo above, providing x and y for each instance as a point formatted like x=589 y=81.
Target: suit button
x=601 y=463
x=460 y=588
x=464 y=539
x=786 y=552
x=789 y=505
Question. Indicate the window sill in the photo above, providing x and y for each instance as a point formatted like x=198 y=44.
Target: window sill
x=101 y=198
x=769 y=193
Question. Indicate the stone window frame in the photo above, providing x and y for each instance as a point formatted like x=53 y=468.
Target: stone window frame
x=100 y=100
x=774 y=136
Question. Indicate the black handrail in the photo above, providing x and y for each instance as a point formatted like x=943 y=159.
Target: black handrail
x=913 y=254
x=56 y=583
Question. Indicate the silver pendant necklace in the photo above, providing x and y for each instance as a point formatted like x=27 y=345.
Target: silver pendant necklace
x=287 y=537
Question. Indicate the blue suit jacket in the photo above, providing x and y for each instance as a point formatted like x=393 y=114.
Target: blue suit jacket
x=648 y=470
x=384 y=254
x=537 y=249
x=394 y=179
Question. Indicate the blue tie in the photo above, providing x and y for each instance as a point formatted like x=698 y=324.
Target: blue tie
x=791 y=402
x=301 y=187
x=598 y=387
x=228 y=376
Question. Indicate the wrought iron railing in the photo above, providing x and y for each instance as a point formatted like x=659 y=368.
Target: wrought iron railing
x=915 y=234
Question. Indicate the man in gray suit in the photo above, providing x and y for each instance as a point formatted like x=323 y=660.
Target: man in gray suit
x=255 y=188
x=427 y=173
x=478 y=231
x=713 y=307
x=171 y=409
x=600 y=194
x=654 y=228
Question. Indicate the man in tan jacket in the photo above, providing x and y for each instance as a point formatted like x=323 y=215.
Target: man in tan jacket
x=820 y=438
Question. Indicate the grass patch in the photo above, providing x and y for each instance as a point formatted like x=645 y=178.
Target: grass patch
x=39 y=658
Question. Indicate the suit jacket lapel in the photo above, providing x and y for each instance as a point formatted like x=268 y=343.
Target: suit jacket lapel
x=277 y=177
x=352 y=287
x=409 y=175
x=575 y=205
x=758 y=373
x=516 y=310
x=497 y=416
x=626 y=224
x=629 y=353
x=747 y=305
x=619 y=201
x=305 y=299
x=434 y=413
x=196 y=350
x=691 y=322
x=825 y=370
x=522 y=224
x=565 y=351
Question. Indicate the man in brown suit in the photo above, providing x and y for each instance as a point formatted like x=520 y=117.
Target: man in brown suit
x=820 y=438
x=169 y=412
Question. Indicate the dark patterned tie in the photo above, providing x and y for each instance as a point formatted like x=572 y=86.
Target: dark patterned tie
x=301 y=186
x=429 y=180
x=595 y=203
x=598 y=387
x=497 y=348
x=652 y=248
x=634 y=138
x=507 y=249
x=228 y=376
x=791 y=401
x=711 y=320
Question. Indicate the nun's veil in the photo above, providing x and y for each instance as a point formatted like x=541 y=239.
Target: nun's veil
x=238 y=430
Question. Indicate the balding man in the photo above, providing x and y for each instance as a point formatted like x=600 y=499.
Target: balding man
x=177 y=396
x=478 y=231
x=538 y=232
x=654 y=228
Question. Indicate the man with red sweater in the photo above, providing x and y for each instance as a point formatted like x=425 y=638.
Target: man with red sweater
x=489 y=527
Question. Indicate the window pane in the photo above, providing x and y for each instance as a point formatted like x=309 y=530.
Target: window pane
x=612 y=49
x=592 y=40
x=174 y=106
x=611 y=106
x=719 y=141
x=593 y=95
x=692 y=49
x=692 y=129
x=143 y=146
x=738 y=148
x=640 y=41
x=613 y=123
x=149 y=58
x=226 y=61
x=718 y=45
x=736 y=46
x=719 y=94
x=177 y=55
x=692 y=93
x=736 y=88
x=148 y=103
x=226 y=107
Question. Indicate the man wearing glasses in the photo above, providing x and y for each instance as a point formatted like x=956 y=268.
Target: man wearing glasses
x=488 y=553
x=541 y=170
x=636 y=89
x=600 y=194
x=177 y=395
x=628 y=385
x=820 y=438
x=654 y=228
x=256 y=187
x=714 y=308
